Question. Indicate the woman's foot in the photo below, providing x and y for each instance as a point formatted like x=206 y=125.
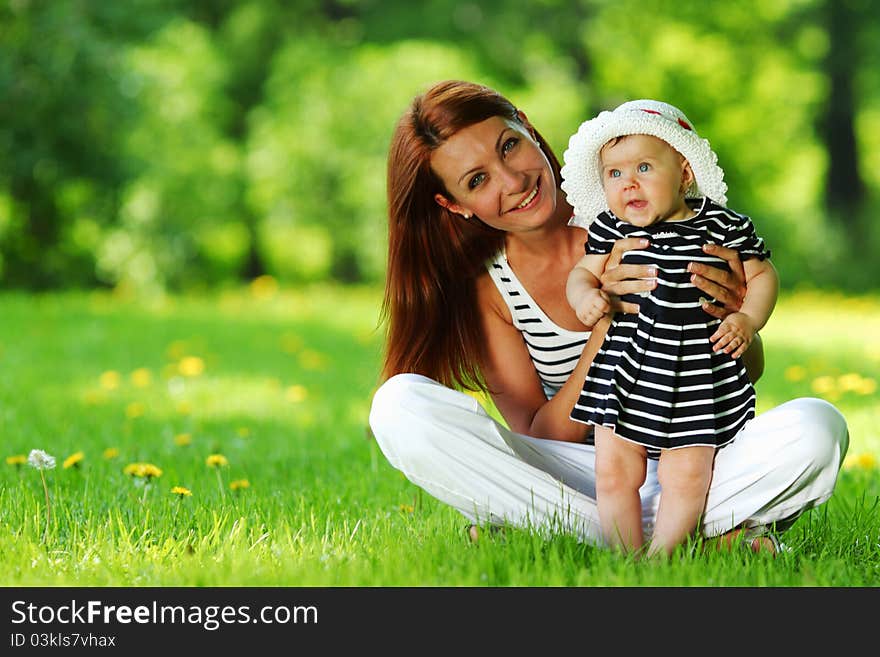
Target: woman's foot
x=473 y=532
x=768 y=542
x=753 y=540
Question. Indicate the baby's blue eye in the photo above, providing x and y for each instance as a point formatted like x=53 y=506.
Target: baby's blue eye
x=643 y=167
x=614 y=173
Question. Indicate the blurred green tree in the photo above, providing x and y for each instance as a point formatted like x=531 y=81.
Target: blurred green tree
x=164 y=144
x=852 y=34
x=62 y=102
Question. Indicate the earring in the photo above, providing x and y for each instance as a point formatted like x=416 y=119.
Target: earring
x=467 y=215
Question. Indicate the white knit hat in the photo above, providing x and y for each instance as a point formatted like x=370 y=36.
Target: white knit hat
x=581 y=174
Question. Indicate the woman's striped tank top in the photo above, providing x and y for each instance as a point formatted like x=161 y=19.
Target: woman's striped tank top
x=554 y=350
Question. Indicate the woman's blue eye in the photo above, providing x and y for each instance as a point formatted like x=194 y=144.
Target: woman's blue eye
x=508 y=145
x=476 y=180
x=643 y=167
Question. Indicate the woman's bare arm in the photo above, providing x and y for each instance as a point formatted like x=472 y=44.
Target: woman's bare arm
x=508 y=368
x=514 y=383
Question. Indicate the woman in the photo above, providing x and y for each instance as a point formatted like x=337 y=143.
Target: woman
x=479 y=250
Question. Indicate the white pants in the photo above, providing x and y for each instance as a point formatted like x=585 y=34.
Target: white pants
x=782 y=463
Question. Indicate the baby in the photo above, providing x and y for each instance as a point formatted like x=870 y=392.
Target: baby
x=669 y=382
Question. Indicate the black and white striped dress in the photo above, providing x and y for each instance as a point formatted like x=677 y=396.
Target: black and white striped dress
x=656 y=381
x=553 y=349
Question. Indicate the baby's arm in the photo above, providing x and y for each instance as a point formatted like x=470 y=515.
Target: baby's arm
x=583 y=291
x=737 y=330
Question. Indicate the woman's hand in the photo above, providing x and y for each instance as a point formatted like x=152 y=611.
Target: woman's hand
x=618 y=279
x=727 y=287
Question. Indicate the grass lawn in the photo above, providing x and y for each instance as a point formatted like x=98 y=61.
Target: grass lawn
x=276 y=385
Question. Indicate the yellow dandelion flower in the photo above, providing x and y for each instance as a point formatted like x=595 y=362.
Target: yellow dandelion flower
x=849 y=381
x=73 y=460
x=239 y=484
x=407 y=508
x=17 y=460
x=109 y=380
x=184 y=408
x=141 y=377
x=191 y=366
x=823 y=385
x=180 y=491
x=182 y=439
x=263 y=287
x=795 y=373
x=145 y=470
x=216 y=461
x=111 y=453
x=866 y=460
x=134 y=409
x=296 y=393
x=866 y=387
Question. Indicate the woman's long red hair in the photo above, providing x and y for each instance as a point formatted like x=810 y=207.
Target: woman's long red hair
x=435 y=256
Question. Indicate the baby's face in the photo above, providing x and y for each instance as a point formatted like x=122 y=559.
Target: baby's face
x=645 y=180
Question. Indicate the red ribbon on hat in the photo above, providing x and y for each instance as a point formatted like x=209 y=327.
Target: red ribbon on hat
x=682 y=123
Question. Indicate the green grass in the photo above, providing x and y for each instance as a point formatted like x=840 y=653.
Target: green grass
x=283 y=393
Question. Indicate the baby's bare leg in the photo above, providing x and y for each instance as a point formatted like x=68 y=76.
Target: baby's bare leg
x=620 y=471
x=684 y=476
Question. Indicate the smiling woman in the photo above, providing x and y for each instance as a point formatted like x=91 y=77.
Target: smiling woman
x=500 y=185
x=479 y=249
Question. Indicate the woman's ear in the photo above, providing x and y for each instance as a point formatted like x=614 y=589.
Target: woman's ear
x=445 y=203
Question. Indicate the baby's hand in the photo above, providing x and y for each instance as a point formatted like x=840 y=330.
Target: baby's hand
x=734 y=335
x=592 y=306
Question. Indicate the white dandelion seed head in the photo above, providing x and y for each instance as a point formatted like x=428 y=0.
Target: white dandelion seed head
x=40 y=460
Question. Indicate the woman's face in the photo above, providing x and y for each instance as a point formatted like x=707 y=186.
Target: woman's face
x=496 y=170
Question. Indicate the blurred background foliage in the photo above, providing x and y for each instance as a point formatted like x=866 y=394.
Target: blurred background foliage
x=155 y=145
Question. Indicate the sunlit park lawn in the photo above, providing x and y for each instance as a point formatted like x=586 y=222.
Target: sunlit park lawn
x=278 y=383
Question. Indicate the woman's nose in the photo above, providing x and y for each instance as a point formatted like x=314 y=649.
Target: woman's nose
x=512 y=180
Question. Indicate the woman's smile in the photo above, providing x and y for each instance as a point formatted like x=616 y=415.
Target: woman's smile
x=531 y=199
